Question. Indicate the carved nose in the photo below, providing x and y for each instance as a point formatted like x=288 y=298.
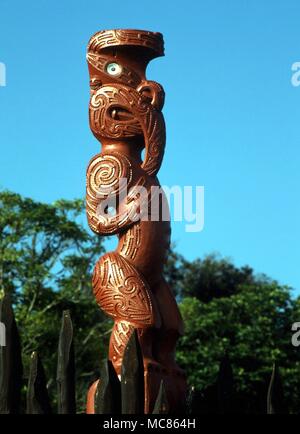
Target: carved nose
x=153 y=92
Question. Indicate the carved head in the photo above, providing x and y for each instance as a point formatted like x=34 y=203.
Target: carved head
x=124 y=105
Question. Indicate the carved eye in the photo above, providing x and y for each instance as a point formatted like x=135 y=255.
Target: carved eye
x=113 y=69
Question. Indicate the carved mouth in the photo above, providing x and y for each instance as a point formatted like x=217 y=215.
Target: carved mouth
x=120 y=114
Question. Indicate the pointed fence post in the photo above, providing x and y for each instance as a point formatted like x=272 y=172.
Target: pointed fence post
x=108 y=392
x=37 y=394
x=132 y=378
x=66 y=367
x=10 y=360
x=161 y=405
x=275 y=397
x=190 y=400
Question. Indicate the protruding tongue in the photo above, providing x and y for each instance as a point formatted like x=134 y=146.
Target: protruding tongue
x=121 y=114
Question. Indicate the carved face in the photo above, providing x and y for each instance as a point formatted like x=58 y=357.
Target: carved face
x=124 y=105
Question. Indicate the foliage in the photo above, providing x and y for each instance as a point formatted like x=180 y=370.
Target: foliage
x=46 y=260
x=214 y=277
x=253 y=328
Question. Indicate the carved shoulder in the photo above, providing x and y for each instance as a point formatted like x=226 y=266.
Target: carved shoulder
x=104 y=173
x=108 y=176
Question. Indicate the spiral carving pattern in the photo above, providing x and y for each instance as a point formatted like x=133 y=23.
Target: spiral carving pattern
x=103 y=180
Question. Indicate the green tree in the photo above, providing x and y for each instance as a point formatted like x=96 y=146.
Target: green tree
x=214 y=277
x=251 y=325
x=46 y=260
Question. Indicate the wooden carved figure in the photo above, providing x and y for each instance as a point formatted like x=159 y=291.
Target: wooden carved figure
x=128 y=283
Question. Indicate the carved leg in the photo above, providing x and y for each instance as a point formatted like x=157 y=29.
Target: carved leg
x=122 y=292
x=90 y=404
x=118 y=340
x=164 y=347
x=172 y=325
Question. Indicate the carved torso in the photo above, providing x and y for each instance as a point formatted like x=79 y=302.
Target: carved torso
x=146 y=243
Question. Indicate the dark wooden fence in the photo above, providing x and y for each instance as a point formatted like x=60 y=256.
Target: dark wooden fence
x=11 y=370
x=112 y=396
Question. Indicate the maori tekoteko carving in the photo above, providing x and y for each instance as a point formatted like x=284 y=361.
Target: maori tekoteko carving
x=125 y=116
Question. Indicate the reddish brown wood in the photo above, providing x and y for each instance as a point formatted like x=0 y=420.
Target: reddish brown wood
x=90 y=403
x=125 y=116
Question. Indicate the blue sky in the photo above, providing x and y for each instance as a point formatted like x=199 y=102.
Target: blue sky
x=232 y=114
